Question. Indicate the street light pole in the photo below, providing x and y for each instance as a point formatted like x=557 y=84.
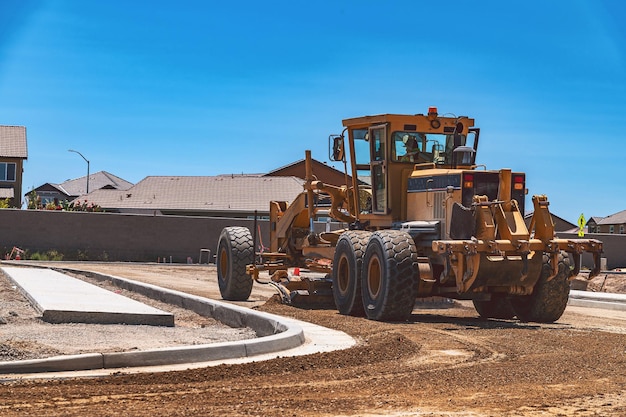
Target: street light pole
x=86 y=160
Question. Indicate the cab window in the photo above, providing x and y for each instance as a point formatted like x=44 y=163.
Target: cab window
x=407 y=146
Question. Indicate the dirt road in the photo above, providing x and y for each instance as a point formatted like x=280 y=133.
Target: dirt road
x=443 y=362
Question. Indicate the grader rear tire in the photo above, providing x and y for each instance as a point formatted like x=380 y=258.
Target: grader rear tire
x=499 y=307
x=347 y=266
x=235 y=250
x=549 y=298
x=389 y=276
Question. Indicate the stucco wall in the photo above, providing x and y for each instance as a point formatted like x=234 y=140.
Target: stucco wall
x=614 y=248
x=129 y=237
x=115 y=237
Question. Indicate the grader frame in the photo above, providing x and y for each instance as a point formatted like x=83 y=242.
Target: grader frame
x=440 y=226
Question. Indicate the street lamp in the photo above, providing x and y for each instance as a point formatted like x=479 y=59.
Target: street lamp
x=86 y=160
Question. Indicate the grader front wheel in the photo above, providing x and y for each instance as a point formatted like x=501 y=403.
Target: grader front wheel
x=235 y=250
x=389 y=277
x=549 y=298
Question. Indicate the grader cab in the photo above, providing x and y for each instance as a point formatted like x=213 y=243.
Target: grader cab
x=420 y=219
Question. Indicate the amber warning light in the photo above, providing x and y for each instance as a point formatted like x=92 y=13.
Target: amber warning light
x=432 y=111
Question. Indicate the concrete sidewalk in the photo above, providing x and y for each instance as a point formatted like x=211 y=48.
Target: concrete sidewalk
x=276 y=336
x=63 y=299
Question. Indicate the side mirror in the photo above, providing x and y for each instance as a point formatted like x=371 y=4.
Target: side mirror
x=337 y=151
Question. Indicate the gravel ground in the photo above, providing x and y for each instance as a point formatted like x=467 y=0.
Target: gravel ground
x=441 y=362
x=607 y=282
x=23 y=335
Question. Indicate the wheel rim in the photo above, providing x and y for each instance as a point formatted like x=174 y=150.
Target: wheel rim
x=223 y=263
x=343 y=275
x=374 y=277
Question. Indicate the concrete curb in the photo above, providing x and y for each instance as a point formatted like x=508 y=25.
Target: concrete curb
x=275 y=334
x=53 y=364
x=603 y=300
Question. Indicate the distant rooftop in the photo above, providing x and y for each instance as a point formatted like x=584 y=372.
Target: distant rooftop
x=97 y=181
x=617 y=218
x=13 y=142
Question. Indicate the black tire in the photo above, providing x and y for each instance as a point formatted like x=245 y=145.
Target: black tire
x=235 y=250
x=389 y=276
x=499 y=307
x=548 y=300
x=347 y=265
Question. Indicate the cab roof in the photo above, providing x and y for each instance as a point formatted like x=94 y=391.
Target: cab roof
x=419 y=122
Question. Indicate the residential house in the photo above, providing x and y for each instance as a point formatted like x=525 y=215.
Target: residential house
x=592 y=224
x=613 y=224
x=231 y=195
x=73 y=189
x=13 y=153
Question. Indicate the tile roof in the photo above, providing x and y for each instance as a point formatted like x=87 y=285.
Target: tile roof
x=13 y=142
x=220 y=193
x=98 y=180
x=617 y=218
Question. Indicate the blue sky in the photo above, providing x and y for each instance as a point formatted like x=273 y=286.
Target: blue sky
x=205 y=87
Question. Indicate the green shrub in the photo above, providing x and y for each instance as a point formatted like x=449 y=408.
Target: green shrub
x=51 y=255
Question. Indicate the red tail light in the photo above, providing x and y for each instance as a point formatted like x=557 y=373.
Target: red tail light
x=468 y=180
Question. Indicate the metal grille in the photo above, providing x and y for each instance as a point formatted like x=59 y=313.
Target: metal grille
x=439 y=211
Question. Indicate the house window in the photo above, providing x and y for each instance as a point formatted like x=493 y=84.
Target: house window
x=621 y=229
x=611 y=229
x=592 y=229
x=7 y=171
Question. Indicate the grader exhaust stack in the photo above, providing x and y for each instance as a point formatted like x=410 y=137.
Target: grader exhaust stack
x=418 y=219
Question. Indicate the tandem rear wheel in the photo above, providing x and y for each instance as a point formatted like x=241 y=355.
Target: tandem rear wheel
x=347 y=266
x=389 y=276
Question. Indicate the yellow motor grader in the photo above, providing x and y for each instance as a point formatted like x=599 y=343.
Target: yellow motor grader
x=420 y=219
